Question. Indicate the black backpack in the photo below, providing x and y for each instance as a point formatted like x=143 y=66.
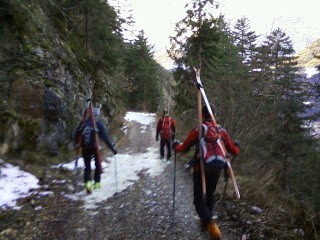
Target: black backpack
x=88 y=135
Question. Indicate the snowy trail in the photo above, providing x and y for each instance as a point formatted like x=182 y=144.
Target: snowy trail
x=127 y=169
x=141 y=153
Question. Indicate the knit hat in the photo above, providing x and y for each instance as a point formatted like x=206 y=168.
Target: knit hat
x=96 y=111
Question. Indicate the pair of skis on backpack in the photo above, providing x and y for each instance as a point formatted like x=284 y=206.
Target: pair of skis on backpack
x=202 y=93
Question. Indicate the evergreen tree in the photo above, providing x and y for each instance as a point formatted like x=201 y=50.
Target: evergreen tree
x=143 y=73
x=245 y=40
x=97 y=26
x=186 y=50
x=287 y=94
x=224 y=77
x=93 y=30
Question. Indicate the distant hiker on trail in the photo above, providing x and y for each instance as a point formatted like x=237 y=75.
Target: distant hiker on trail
x=166 y=128
x=214 y=162
x=86 y=132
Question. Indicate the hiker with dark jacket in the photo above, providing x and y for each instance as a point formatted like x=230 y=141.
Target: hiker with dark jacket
x=86 y=132
x=166 y=128
x=215 y=161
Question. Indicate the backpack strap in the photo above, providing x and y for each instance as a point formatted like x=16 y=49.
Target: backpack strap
x=205 y=129
x=169 y=119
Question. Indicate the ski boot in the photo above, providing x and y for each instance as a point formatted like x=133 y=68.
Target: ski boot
x=88 y=187
x=97 y=185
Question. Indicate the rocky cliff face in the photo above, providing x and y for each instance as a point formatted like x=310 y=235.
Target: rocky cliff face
x=42 y=109
x=42 y=85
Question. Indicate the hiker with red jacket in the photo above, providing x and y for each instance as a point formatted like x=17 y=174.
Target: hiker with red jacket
x=166 y=128
x=214 y=161
x=86 y=132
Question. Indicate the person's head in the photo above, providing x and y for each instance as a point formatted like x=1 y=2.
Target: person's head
x=205 y=111
x=165 y=112
x=96 y=111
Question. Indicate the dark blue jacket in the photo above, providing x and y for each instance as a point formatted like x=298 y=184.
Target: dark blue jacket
x=103 y=135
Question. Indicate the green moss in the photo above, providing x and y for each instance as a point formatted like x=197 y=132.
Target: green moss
x=19 y=72
x=27 y=47
x=48 y=82
x=32 y=157
x=30 y=128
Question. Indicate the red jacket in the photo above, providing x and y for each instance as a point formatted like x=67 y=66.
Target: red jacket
x=193 y=139
x=172 y=126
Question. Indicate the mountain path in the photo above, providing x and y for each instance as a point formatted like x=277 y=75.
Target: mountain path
x=141 y=211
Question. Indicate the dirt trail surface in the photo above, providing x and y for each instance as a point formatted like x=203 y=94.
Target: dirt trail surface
x=143 y=210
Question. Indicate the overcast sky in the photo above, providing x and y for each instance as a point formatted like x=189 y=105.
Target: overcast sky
x=297 y=18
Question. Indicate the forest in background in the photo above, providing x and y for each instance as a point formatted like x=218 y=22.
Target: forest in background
x=256 y=87
x=259 y=94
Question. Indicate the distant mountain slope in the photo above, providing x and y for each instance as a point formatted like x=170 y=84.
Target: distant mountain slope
x=307 y=57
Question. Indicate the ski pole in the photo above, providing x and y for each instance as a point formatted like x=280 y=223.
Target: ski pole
x=174 y=184
x=115 y=168
x=76 y=164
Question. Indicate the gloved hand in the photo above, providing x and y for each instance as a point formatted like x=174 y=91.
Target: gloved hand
x=114 y=151
x=174 y=145
x=157 y=138
x=237 y=143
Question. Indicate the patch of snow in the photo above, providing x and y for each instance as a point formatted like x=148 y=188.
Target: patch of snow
x=72 y=197
x=310 y=72
x=15 y=184
x=46 y=193
x=122 y=172
x=38 y=208
x=71 y=166
x=142 y=118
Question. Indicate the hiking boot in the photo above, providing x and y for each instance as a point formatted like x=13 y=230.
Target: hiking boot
x=97 y=185
x=88 y=187
x=214 y=231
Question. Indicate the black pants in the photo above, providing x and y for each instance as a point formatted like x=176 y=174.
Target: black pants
x=204 y=207
x=87 y=156
x=167 y=144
